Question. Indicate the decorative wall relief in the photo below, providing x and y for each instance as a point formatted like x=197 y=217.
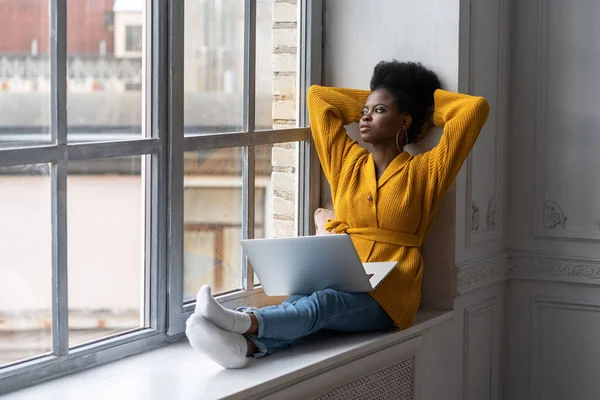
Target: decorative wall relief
x=549 y=268
x=491 y=214
x=482 y=272
x=475 y=274
x=554 y=217
x=474 y=216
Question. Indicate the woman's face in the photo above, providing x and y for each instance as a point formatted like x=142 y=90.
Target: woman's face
x=381 y=119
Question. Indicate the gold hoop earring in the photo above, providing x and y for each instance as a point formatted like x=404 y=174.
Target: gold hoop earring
x=406 y=138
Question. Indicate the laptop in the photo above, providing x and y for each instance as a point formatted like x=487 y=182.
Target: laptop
x=306 y=264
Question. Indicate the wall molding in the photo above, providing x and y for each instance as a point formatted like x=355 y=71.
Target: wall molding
x=554 y=268
x=485 y=231
x=482 y=272
x=491 y=306
x=538 y=304
x=549 y=219
x=502 y=266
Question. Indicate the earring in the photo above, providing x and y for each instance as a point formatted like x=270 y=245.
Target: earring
x=398 y=144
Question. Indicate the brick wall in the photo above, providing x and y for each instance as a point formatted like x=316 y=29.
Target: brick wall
x=23 y=21
x=284 y=175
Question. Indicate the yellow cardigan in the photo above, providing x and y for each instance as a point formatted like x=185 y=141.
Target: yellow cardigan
x=388 y=219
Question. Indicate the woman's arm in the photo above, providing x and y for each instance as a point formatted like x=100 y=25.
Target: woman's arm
x=329 y=110
x=462 y=117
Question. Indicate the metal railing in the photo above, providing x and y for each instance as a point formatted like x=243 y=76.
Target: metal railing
x=208 y=69
x=127 y=70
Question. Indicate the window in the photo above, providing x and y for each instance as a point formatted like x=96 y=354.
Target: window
x=133 y=38
x=128 y=182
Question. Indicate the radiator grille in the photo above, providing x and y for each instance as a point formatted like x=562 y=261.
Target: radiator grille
x=393 y=382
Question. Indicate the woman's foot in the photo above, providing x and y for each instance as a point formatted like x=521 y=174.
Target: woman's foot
x=223 y=318
x=227 y=349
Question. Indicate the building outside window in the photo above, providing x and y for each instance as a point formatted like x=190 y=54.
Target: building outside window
x=133 y=38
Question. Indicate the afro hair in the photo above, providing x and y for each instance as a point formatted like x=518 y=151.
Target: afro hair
x=412 y=86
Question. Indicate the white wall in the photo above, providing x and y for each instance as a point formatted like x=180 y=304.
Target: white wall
x=358 y=35
x=465 y=42
x=356 y=38
x=555 y=124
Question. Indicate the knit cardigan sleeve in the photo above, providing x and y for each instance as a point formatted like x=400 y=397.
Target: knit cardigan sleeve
x=462 y=117
x=329 y=110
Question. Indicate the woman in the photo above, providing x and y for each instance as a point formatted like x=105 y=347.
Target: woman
x=385 y=201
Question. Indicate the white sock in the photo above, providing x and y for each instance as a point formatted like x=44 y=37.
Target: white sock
x=229 y=320
x=227 y=349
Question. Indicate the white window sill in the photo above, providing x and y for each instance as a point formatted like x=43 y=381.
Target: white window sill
x=178 y=372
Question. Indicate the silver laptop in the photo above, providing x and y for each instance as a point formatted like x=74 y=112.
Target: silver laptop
x=306 y=264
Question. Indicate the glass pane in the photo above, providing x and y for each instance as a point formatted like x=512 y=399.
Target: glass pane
x=25 y=262
x=24 y=73
x=276 y=64
x=212 y=220
x=106 y=230
x=213 y=66
x=277 y=181
x=104 y=69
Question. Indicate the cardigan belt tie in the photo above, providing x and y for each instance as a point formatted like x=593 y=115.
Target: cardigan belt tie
x=375 y=234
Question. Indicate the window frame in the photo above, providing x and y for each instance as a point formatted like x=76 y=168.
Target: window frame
x=163 y=143
x=308 y=72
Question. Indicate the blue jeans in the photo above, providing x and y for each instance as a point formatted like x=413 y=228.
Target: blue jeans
x=299 y=316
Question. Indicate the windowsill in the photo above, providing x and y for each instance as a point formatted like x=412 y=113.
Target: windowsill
x=178 y=372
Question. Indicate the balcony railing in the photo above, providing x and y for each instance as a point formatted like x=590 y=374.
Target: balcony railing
x=79 y=67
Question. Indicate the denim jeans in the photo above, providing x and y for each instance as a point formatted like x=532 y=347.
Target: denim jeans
x=299 y=316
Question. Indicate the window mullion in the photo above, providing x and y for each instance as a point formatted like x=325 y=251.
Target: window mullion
x=60 y=310
x=312 y=22
x=174 y=147
x=249 y=65
x=303 y=152
x=249 y=170
x=303 y=65
x=240 y=139
x=155 y=204
x=248 y=194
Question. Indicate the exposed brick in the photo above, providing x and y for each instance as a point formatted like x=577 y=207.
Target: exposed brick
x=284 y=228
x=285 y=38
x=284 y=12
x=285 y=195
x=284 y=109
x=284 y=25
x=289 y=170
x=280 y=98
x=283 y=207
x=283 y=181
x=284 y=124
x=284 y=217
x=284 y=58
x=284 y=85
x=285 y=50
x=284 y=73
x=284 y=62
x=283 y=157
x=290 y=145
